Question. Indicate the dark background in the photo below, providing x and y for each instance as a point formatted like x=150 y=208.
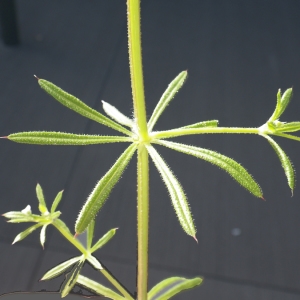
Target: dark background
x=237 y=53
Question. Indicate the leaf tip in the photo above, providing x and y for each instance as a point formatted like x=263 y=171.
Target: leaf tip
x=195 y=239
x=36 y=77
x=263 y=198
x=3 y=137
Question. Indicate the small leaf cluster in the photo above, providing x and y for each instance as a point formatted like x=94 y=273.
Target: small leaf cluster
x=43 y=220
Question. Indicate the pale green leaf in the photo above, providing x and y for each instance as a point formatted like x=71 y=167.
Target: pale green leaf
x=104 y=240
x=285 y=100
x=25 y=233
x=61 y=138
x=71 y=279
x=90 y=234
x=276 y=114
x=98 y=288
x=239 y=173
x=288 y=127
x=15 y=214
x=61 y=268
x=94 y=262
x=116 y=114
x=43 y=235
x=165 y=99
x=78 y=106
x=170 y=287
x=56 y=201
x=176 y=192
x=41 y=198
x=210 y=123
x=285 y=162
x=102 y=190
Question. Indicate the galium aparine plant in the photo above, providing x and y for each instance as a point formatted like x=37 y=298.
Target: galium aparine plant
x=142 y=139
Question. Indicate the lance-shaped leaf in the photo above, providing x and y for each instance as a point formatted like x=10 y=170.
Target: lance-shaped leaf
x=78 y=106
x=239 y=173
x=56 y=202
x=25 y=233
x=43 y=235
x=17 y=215
x=98 y=288
x=176 y=192
x=282 y=103
x=170 y=287
x=116 y=114
x=210 y=123
x=94 y=262
x=41 y=198
x=285 y=162
x=102 y=190
x=288 y=127
x=104 y=240
x=165 y=99
x=71 y=279
x=61 y=268
x=62 y=138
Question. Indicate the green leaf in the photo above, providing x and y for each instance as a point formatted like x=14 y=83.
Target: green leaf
x=71 y=279
x=16 y=215
x=276 y=113
x=102 y=190
x=41 y=198
x=282 y=103
x=25 y=233
x=61 y=268
x=98 y=288
x=94 y=262
x=61 y=138
x=177 y=195
x=170 y=287
x=78 y=106
x=285 y=100
x=43 y=235
x=211 y=123
x=288 y=127
x=117 y=115
x=104 y=240
x=56 y=202
x=285 y=162
x=165 y=99
x=239 y=173
x=90 y=234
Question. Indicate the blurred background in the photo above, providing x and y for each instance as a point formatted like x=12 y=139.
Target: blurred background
x=237 y=53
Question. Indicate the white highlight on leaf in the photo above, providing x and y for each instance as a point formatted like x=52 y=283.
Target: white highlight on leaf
x=116 y=115
x=27 y=210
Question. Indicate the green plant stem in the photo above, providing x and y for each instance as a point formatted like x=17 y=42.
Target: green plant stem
x=136 y=68
x=205 y=130
x=66 y=233
x=143 y=222
x=116 y=284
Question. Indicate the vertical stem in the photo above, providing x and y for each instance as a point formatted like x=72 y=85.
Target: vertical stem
x=143 y=222
x=136 y=68
x=137 y=85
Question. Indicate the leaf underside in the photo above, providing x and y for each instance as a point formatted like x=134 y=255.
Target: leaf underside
x=237 y=172
x=176 y=192
x=170 y=287
x=285 y=162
